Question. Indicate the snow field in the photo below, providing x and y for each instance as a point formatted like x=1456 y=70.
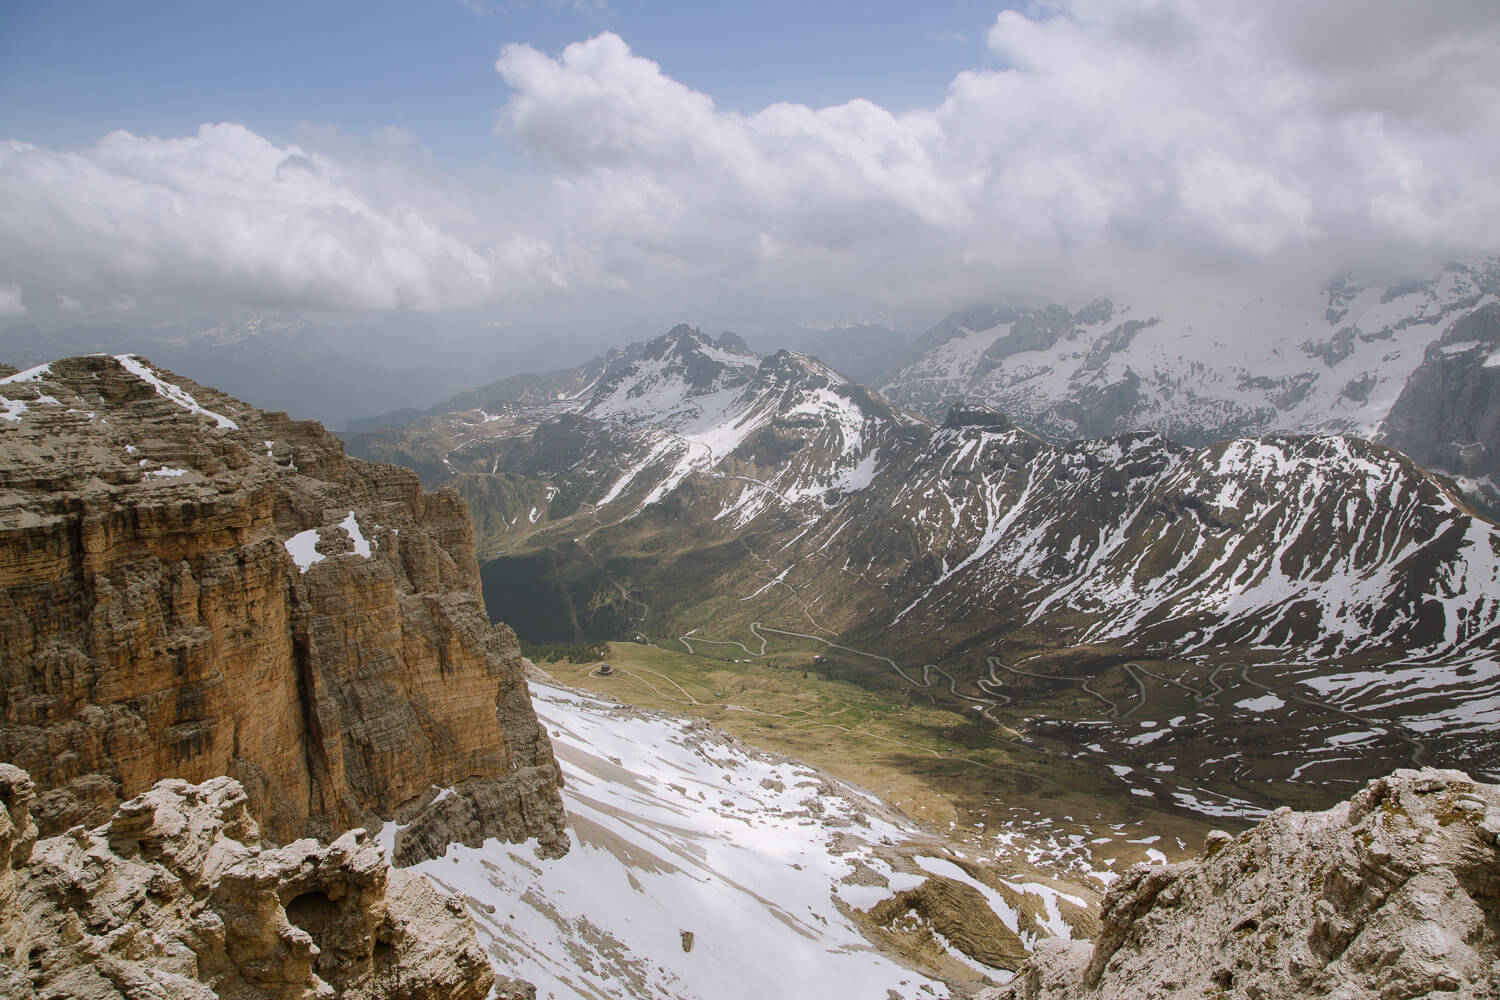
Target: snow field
x=675 y=829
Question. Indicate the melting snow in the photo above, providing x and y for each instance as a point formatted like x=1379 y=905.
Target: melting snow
x=176 y=394
x=676 y=830
x=303 y=547
x=351 y=527
x=29 y=375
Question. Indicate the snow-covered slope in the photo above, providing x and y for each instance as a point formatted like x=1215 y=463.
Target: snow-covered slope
x=1198 y=368
x=702 y=869
x=704 y=493
x=794 y=430
x=1325 y=543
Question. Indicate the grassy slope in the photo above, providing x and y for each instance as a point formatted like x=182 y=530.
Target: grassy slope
x=943 y=766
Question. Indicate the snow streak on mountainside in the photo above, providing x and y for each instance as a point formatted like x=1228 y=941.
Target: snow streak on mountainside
x=750 y=502
x=686 y=404
x=1323 y=543
x=701 y=869
x=1196 y=370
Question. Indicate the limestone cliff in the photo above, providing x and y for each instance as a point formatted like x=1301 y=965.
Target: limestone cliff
x=176 y=897
x=192 y=588
x=1394 y=894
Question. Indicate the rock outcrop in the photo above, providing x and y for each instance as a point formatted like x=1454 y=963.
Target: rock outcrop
x=1394 y=894
x=1448 y=414
x=192 y=588
x=176 y=897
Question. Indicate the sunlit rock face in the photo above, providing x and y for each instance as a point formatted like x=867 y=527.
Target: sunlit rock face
x=191 y=588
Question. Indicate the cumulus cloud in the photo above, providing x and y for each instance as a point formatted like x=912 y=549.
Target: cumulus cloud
x=1215 y=136
x=223 y=215
x=1230 y=134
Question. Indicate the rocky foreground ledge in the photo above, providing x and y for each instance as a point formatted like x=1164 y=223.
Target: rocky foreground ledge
x=176 y=897
x=1394 y=894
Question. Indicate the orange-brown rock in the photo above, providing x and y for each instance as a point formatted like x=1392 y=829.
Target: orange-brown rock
x=190 y=588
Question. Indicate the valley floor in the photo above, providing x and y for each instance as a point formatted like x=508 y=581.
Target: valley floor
x=954 y=770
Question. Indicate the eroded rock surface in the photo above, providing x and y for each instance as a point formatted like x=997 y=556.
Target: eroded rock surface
x=176 y=897
x=1394 y=894
x=191 y=588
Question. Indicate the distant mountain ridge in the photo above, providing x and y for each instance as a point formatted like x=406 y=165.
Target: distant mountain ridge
x=1144 y=534
x=1359 y=360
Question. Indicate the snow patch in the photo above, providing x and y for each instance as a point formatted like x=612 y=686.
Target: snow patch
x=303 y=547
x=29 y=375
x=675 y=829
x=176 y=394
x=351 y=528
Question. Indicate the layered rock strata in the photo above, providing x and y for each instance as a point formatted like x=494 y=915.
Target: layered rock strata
x=192 y=588
x=176 y=897
x=1394 y=894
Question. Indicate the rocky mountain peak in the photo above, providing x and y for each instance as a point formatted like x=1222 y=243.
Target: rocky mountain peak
x=680 y=364
x=790 y=368
x=680 y=337
x=189 y=586
x=1448 y=414
x=731 y=341
x=1201 y=368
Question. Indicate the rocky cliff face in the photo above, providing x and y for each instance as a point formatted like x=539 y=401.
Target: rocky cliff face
x=176 y=897
x=1448 y=414
x=191 y=588
x=1393 y=894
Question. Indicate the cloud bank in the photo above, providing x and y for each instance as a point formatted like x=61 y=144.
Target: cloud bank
x=1111 y=137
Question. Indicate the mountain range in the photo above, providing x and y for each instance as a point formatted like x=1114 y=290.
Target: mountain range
x=294 y=640
x=1409 y=364
x=699 y=494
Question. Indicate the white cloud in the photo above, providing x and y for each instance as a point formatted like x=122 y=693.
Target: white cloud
x=10 y=301
x=1227 y=135
x=1117 y=136
x=226 y=215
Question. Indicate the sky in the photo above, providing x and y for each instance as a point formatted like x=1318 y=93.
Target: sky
x=598 y=165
